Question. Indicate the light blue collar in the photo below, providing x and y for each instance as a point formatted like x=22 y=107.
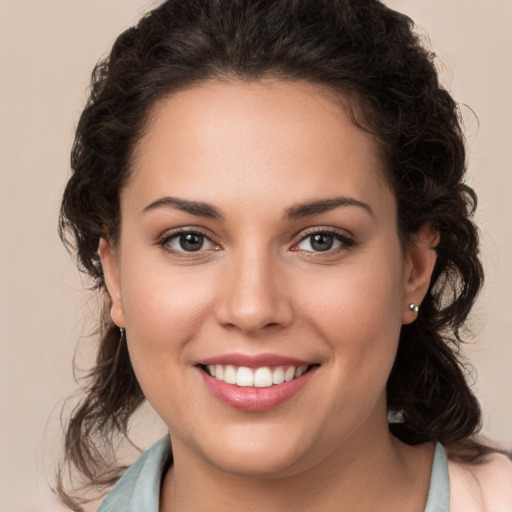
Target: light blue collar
x=439 y=491
x=138 y=490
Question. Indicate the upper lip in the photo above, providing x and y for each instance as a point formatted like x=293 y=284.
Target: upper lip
x=254 y=361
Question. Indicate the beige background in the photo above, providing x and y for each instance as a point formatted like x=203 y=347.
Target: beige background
x=47 y=50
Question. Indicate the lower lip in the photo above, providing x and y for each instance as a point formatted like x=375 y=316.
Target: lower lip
x=253 y=399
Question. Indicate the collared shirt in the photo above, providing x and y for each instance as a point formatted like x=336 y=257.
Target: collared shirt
x=138 y=490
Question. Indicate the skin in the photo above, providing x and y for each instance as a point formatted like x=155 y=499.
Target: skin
x=254 y=151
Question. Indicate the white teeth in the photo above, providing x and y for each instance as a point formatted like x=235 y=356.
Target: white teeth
x=262 y=377
x=230 y=374
x=278 y=375
x=289 y=373
x=244 y=377
x=301 y=370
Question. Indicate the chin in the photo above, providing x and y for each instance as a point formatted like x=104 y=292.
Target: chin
x=261 y=463
x=253 y=452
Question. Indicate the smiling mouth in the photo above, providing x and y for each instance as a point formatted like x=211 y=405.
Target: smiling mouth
x=262 y=377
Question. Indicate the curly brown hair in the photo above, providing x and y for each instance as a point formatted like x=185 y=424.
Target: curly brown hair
x=365 y=52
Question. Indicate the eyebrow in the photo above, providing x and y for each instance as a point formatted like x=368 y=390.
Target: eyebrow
x=198 y=208
x=324 y=205
x=206 y=210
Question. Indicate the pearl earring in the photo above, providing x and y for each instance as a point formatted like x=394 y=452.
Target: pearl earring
x=414 y=308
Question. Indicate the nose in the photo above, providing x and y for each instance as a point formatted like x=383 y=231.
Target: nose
x=254 y=295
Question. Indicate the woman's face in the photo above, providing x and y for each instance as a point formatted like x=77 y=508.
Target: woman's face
x=259 y=241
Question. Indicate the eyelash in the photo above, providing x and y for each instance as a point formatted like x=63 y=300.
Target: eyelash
x=166 y=239
x=345 y=241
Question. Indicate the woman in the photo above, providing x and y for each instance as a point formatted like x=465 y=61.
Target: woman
x=270 y=194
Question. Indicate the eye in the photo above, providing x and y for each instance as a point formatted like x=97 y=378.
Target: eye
x=322 y=241
x=187 y=241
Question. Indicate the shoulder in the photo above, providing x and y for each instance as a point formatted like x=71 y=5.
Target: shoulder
x=481 y=487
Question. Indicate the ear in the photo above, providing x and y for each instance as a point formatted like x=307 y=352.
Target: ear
x=110 y=264
x=420 y=261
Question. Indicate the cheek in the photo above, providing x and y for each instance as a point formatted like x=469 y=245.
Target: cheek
x=358 y=311
x=164 y=306
x=165 y=312
x=359 y=297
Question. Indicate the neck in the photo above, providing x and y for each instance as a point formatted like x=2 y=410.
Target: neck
x=383 y=474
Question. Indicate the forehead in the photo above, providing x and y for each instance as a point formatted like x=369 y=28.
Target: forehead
x=268 y=139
